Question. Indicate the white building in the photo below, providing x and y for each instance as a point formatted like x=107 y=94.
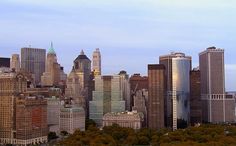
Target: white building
x=71 y=119
x=124 y=119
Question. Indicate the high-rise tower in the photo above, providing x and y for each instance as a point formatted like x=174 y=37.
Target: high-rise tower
x=53 y=74
x=97 y=62
x=214 y=101
x=33 y=61
x=156 y=92
x=177 y=101
x=15 y=62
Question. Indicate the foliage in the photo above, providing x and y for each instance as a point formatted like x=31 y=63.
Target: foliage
x=211 y=135
x=52 y=135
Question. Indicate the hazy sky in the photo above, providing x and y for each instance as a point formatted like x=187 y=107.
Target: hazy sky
x=129 y=33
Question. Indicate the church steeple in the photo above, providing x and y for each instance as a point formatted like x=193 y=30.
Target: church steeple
x=51 y=50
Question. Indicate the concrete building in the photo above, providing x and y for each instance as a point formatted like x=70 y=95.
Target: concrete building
x=140 y=104
x=125 y=87
x=97 y=62
x=107 y=97
x=214 y=101
x=82 y=67
x=195 y=97
x=177 y=101
x=75 y=89
x=137 y=82
x=53 y=75
x=31 y=121
x=4 y=62
x=53 y=113
x=124 y=119
x=33 y=61
x=156 y=92
x=15 y=62
x=71 y=119
x=11 y=84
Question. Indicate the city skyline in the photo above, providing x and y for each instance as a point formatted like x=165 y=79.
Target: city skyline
x=129 y=35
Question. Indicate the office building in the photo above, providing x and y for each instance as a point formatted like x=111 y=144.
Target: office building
x=124 y=119
x=97 y=62
x=71 y=119
x=33 y=61
x=54 y=75
x=107 y=97
x=214 y=101
x=156 y=92
x=5 y=62
x=125 y=88
x=31 y=120
x=15 y=62
x=140 y=104
x=11 y=84
x=195 y=97
x=177 y=100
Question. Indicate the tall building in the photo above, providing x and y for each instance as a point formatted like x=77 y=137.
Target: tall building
x=195 y=97
x=53 y=75
x=74 y=89
x=214 y=102
x=82 y=66
x=125 y=87
x=31 y=120
x=97 y=62
x=53 y=113
x=177 y=101
x=15 y=62
x=11 y=84
x=137 y=82
x=140 y=104
x=107 y=97
x=156 y=92
x=71 y=119
x=5 y=62
x=33 y=61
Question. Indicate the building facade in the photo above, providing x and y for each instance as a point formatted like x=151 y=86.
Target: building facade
x=107 y=97
x=97 y=62
x=31 y=120
x=124 y=119
x=33 y=61
x=195 y=97
x=214 y=101
x=156 y=92
x=71 y=119
x=177 y=101
x=53 y=76
x=5 y=62
x=15 y=62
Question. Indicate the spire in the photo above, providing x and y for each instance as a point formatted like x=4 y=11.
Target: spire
x=51 y=50
x=82 y=52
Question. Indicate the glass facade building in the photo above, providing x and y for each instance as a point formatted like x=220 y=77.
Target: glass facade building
x=177 y=101
x=107 y=97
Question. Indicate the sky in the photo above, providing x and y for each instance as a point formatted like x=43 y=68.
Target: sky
x=129 y=33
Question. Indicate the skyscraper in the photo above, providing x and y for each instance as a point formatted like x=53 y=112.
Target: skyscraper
x=107 y=97
x=33 y=61
x=97 y=60
x=11 y=84
x=15 y=62
x=195 y=97
x=82 y=67
x=214 y=102
x=52 y=75
x=177 y=101
x=156 y=92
